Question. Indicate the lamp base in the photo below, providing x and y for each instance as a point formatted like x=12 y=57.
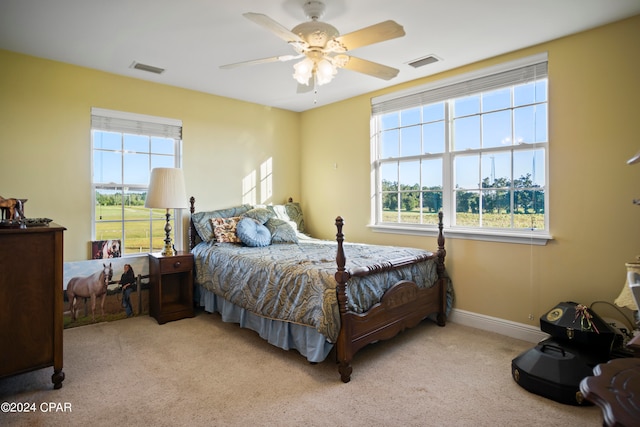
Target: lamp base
x=168 y=247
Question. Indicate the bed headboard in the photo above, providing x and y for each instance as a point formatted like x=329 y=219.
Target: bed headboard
x=194 y=238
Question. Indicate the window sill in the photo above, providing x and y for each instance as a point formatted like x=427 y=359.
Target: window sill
x=525 y=237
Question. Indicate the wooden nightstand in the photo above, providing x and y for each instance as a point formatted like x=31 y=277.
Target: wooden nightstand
x=171 y=286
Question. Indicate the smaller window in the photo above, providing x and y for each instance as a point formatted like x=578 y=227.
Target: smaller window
x=125 y=147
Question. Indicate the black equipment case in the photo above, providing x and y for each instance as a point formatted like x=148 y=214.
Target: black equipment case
x=554 y=370
x=577 y=324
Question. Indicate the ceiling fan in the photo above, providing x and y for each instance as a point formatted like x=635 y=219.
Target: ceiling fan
x=322 y=49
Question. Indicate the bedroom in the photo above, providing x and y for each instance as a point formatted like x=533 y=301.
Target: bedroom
x=45 y=106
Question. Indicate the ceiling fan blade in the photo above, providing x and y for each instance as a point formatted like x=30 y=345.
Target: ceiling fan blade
x=281 y=58
x=376 y=33
x=304 y=88
x=273 y=26
x=371 y=68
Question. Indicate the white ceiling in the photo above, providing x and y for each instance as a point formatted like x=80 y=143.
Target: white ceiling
x=190 y=39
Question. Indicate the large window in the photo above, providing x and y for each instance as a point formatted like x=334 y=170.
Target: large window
x=474 y=147
x=125 y=147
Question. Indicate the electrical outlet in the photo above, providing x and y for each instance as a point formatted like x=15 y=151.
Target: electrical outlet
x=530 y=316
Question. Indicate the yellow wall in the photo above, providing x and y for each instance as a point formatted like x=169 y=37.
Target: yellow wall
x=45 y=148
x=321 y=157
x=594 y=122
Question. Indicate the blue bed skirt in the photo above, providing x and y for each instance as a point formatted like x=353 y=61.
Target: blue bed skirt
x=304 y=339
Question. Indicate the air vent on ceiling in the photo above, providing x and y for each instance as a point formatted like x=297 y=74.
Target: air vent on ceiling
x=145 y=67
x=421 y=62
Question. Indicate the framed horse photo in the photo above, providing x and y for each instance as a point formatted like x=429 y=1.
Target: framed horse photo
x=105 y=249
x=93 y=290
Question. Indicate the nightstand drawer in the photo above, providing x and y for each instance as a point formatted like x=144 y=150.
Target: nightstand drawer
x=175 y=264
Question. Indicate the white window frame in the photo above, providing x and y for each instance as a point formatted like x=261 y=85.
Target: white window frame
x=422 y=95
x=137 y=124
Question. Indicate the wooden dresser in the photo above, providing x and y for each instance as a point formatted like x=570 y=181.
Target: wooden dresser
x=31 y=300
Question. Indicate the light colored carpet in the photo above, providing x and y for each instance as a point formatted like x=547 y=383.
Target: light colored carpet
x=202 y=371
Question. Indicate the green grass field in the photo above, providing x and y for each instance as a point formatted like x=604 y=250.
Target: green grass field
x=473 y=220
x=136 y=227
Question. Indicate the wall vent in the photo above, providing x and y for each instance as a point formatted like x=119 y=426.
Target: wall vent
x=145 y=67
x=421 y=62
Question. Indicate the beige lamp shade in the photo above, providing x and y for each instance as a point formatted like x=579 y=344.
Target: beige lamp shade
x=166 y=189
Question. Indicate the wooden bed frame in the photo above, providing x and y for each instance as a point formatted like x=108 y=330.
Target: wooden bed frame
x=403 y=306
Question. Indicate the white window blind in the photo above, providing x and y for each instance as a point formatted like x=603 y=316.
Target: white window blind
x=136 y=124
x=513 y=73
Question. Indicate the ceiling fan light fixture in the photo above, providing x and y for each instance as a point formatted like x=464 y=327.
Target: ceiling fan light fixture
x=303 y=71
x=325 y=71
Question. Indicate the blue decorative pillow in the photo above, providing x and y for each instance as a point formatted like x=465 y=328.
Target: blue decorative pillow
x=281 y=231
x=252 y=233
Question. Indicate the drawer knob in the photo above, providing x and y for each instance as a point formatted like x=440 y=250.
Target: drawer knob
x=177 y=264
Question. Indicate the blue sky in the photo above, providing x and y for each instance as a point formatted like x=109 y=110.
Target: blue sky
x=141 y=154
x=496 y=122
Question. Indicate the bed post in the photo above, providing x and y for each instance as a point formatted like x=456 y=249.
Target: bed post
x=443 y=277
x=342 y=276
x=192 y=228
x=441 y=250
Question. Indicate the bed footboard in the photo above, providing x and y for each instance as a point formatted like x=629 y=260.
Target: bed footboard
x=403 y=306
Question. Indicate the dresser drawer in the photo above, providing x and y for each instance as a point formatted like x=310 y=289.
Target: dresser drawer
x=175 y=264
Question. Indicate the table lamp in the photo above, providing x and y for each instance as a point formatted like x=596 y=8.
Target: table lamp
x=166 y=191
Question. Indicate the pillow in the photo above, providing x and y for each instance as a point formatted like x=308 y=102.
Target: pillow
x=281 y=231
x=252 y=233
x=202 y=220
x=295 y=214
x=261 y=215
x=290 y=212
x=224 y=229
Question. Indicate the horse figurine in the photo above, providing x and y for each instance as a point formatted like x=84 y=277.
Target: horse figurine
x=15 y=208
x=90 y=286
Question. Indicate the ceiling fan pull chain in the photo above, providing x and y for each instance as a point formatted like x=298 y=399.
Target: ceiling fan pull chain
x=315 y=89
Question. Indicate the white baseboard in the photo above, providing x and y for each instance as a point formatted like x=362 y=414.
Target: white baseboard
x=500 y=326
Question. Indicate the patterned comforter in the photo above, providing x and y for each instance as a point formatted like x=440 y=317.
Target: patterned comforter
x=295 y=282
